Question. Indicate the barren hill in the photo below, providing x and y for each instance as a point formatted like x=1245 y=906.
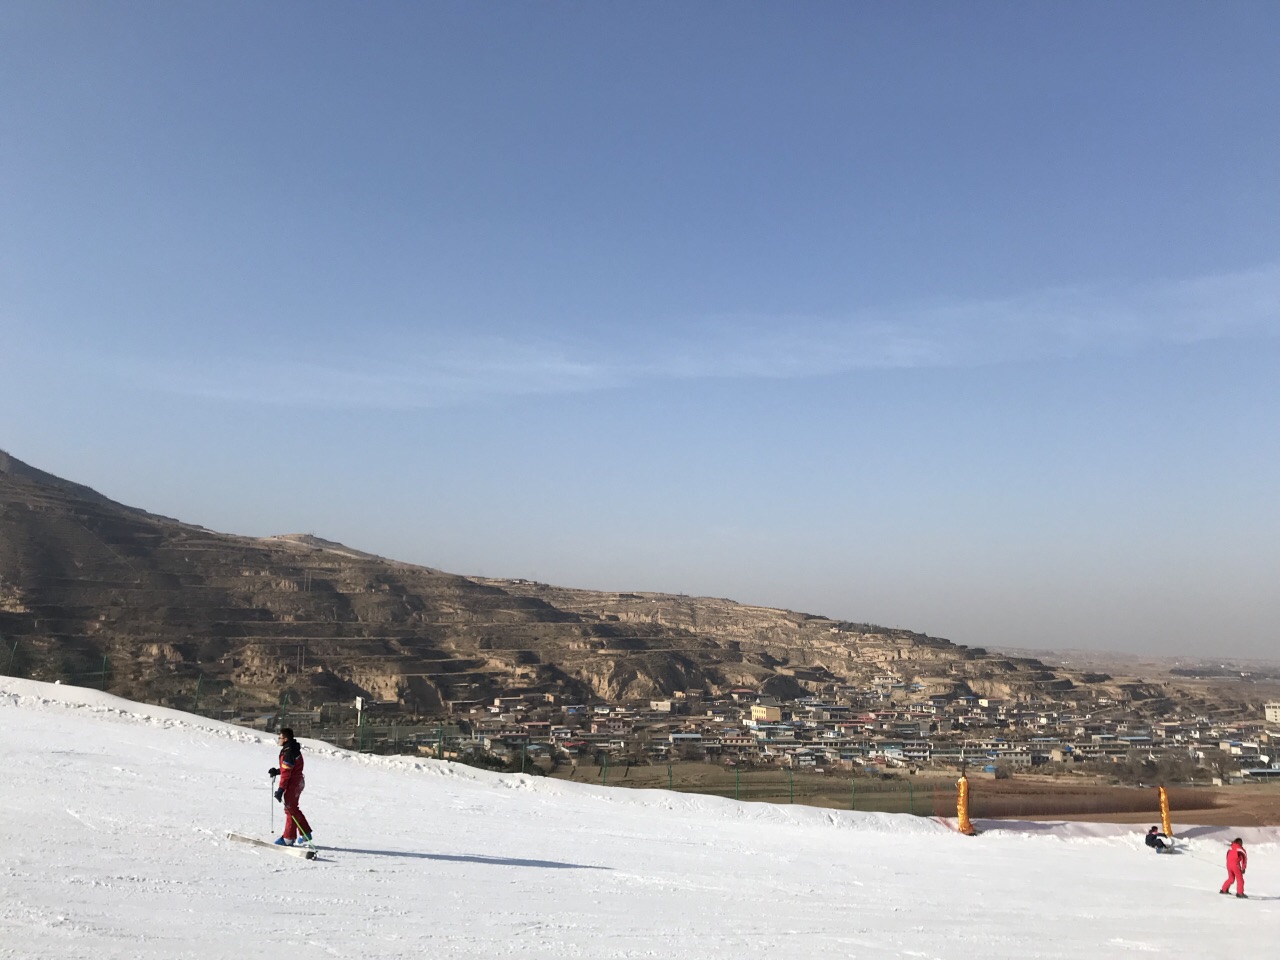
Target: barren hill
x=83 y=578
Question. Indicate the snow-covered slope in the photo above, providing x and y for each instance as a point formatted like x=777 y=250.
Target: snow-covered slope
x=113 y=816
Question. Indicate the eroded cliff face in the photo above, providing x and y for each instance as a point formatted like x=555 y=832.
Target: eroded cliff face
x=168 y=604
x=718 y=644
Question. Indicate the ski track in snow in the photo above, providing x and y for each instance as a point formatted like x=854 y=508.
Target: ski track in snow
x=112 y=845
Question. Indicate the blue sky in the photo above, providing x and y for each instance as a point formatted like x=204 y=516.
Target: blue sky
x=955 y=317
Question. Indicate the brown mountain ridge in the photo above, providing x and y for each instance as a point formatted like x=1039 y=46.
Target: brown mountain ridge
x=92 y=587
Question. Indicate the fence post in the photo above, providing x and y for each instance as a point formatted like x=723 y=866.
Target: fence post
x=12 y=653
x=911 y=799
x=736 y=779
x=604 y=769
x=440 y=741
x=853 y=794
x=669 y=786
x=791 y=785
x=524 y=750
x=196 y=706
x=103 y=685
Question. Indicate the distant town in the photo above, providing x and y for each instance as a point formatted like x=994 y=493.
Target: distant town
x=881 y=728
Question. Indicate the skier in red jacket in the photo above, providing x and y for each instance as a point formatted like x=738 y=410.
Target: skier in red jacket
x=291 y=784
x=1236 y=862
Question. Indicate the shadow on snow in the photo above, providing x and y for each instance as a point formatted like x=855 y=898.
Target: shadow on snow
x=472 y=858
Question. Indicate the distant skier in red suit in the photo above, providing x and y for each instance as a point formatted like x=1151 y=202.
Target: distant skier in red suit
x=291 y=784
x=1236 y=862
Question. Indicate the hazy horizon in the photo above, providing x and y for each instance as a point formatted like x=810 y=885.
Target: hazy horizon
x=965 y=321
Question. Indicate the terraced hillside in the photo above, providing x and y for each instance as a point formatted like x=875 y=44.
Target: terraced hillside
x=83 y=578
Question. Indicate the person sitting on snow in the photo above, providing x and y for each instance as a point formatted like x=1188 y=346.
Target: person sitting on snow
x=1154 y=840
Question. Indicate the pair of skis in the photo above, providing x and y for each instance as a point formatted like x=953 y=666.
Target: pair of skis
x=307 y=852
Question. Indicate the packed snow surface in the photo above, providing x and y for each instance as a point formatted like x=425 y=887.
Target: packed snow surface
x=113 y=817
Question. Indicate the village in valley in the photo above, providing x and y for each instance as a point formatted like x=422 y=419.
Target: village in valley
x=883 y=728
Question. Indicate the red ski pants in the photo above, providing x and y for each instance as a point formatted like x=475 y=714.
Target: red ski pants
x=1236 y=874
x=293 y=818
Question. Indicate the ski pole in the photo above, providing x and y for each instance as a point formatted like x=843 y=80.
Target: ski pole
x=302 y=834
x=272 y=797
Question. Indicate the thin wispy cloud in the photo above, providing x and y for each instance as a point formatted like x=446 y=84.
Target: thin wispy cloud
x=424 y=377
x=1060 y=323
